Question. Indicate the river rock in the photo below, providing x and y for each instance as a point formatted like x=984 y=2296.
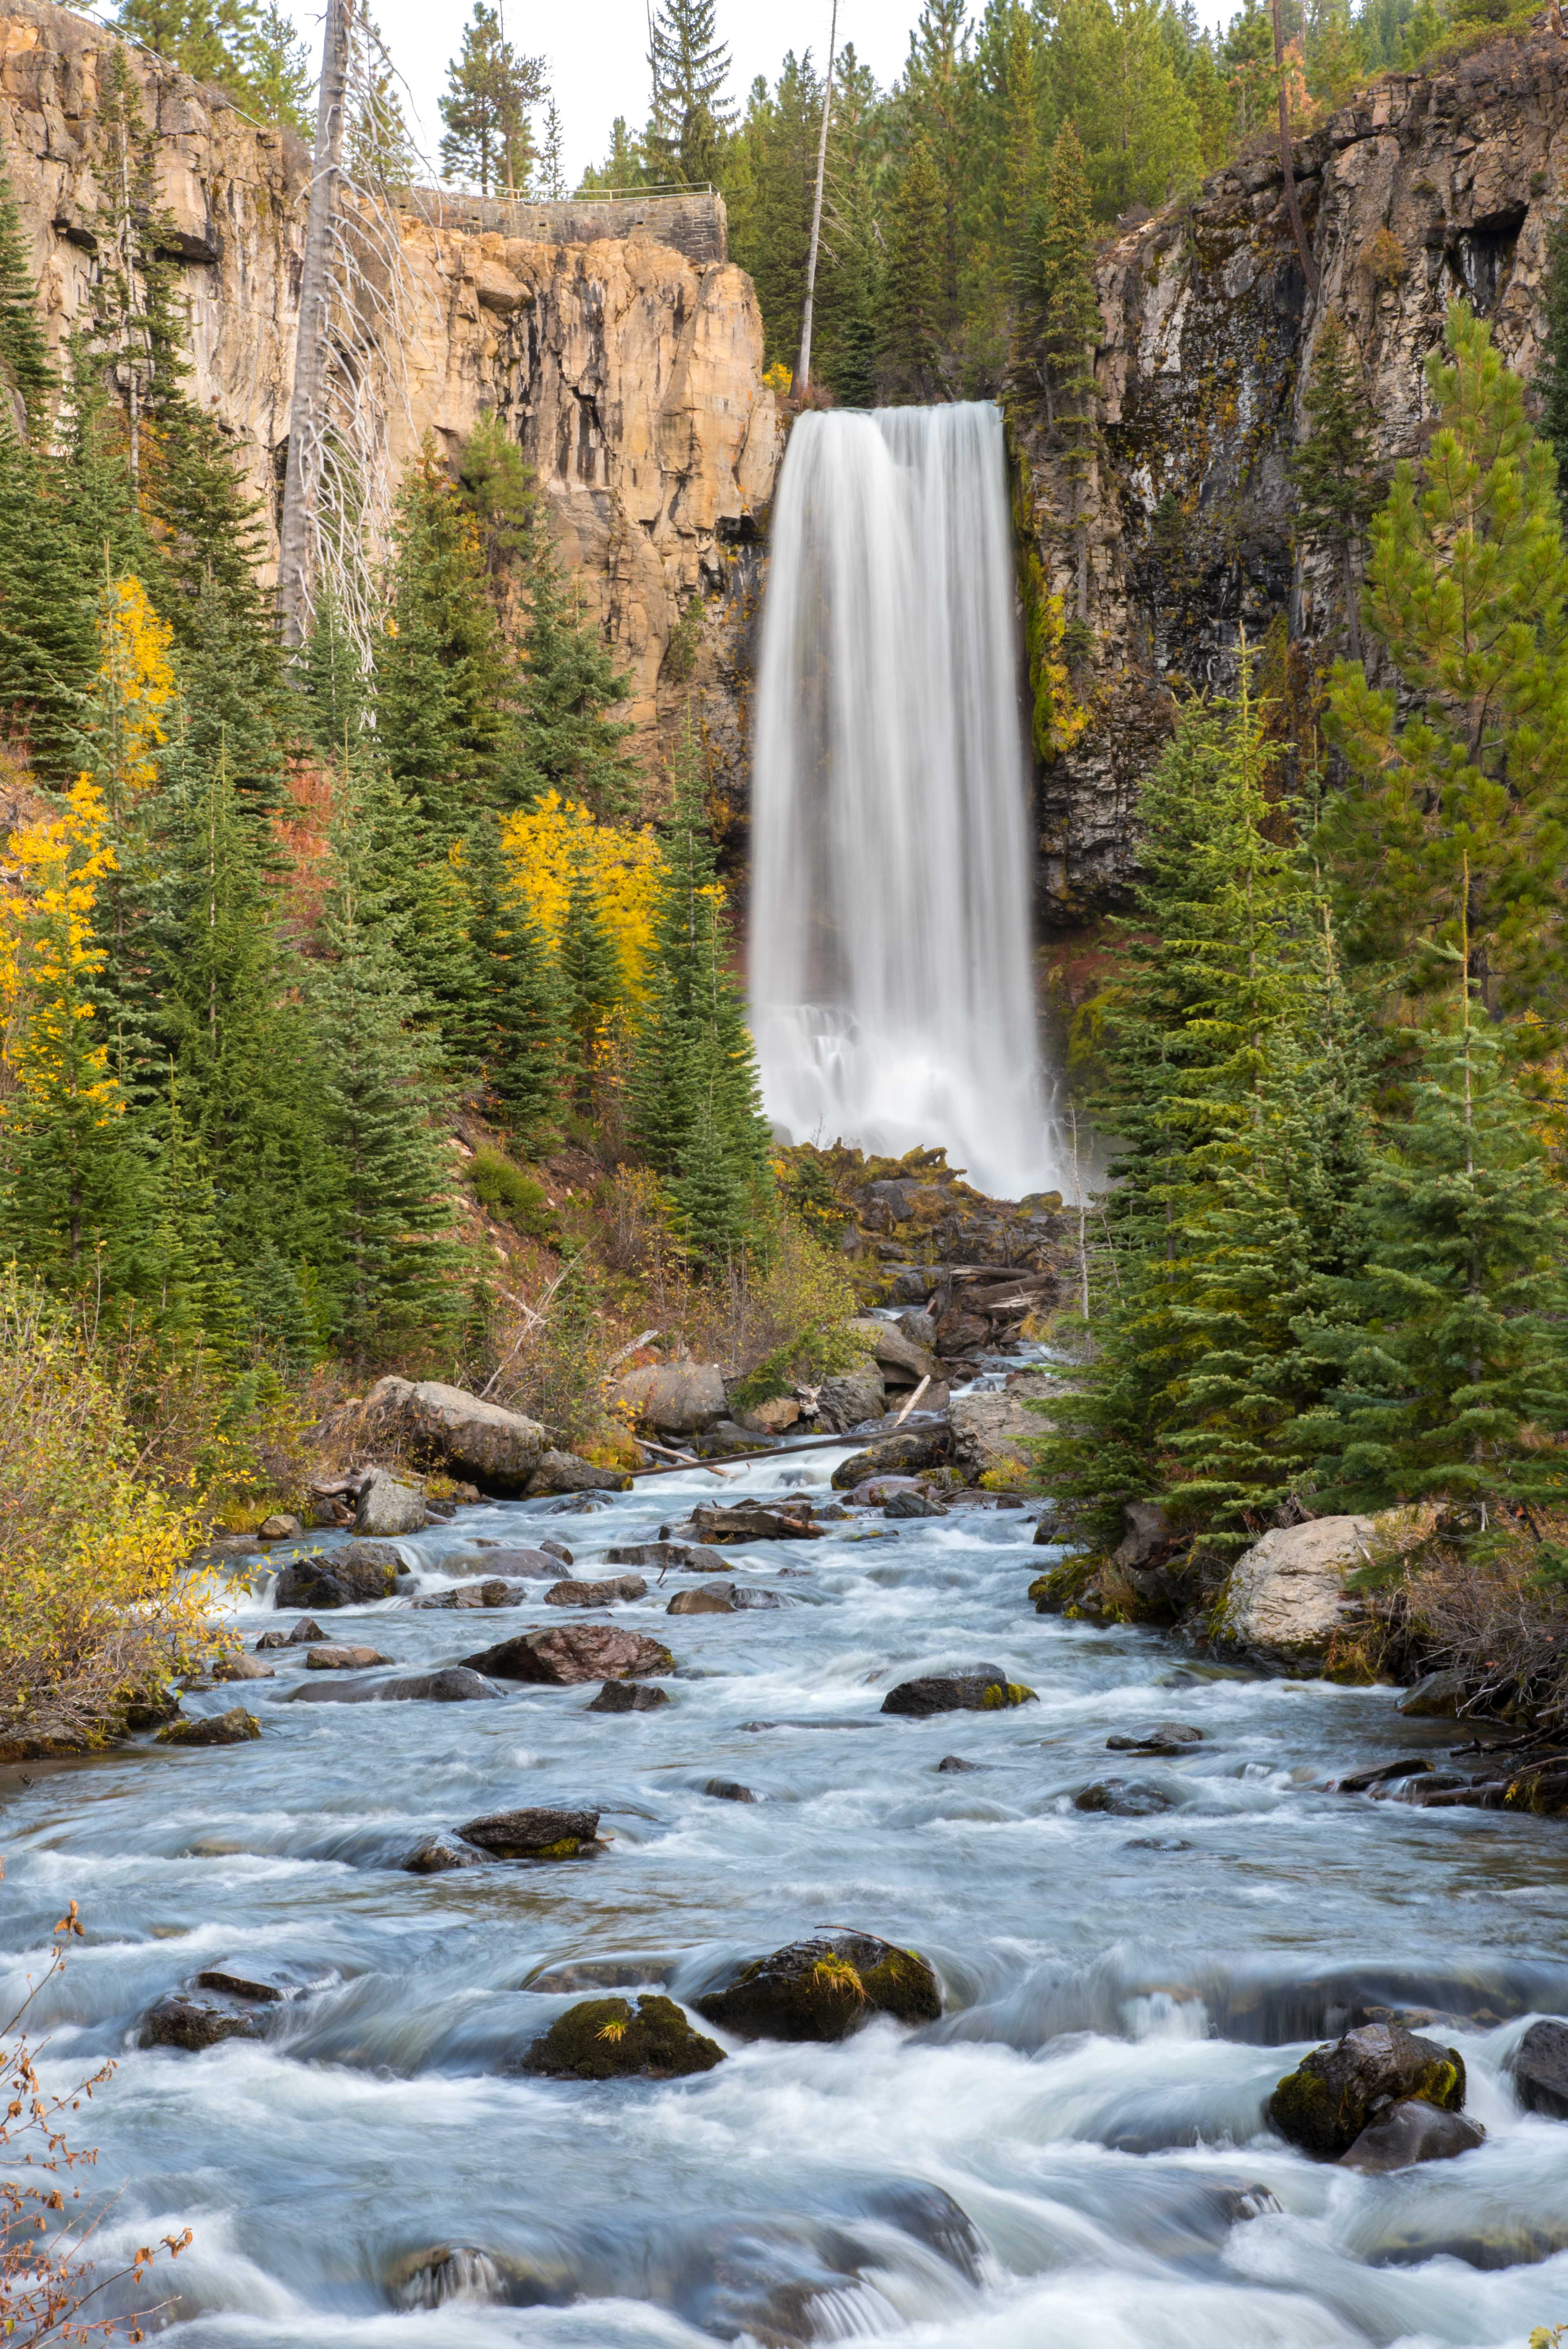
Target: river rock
x=746 y=1597
x=1409 y=2132
x=691 y=1557
x=848 y=1401
x=439 y=1854
x=235 y=1727
x=331 y=1658
x=182 y=2020
x=1164 y=1737
x=557 y=1549
x=913 y=1503
x=959 y=1333
x=509 y=1558
x=876 y=1490
x=1124 y=1798
x=674 y=1398
x=498 y=1450
x=902 y=1360
x=601 y=2038
x=989 y=1432
x=952 y=1762
x=491 y=1592
x=728 y=1790
x=1333 y=2093
x=451 y=1684
x=563 y=1471
x=706 y=1598
x=279 y=1527
x=628 y=1696
x=824 y=1988
x=345 y=1578
x=1285 y=1603
x=387 y=1506
x=1540 y=2068
x=572 y=1653
x=920 y=1327
x=894 y=1455
x=771 y=1418
x=271 y=1640
x=971 y=1688
x=532 y=1833
x=755 y=1521
x=618 y=1591
x=242 y=1668
x=1436 y=1696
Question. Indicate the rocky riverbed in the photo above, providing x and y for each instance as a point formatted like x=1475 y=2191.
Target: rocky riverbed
x=871 y=1958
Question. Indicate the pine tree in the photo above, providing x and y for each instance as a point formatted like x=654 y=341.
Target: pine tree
x=568 y=741
x=489 y=89
x=522 y=1043
x=48 y=649
x=936 y=86
x=278 y=72
x=330 y=680
x=24 y=363
x=690 y=117
x=623 y=168
x=1551 y=373
x=209 y=40
x=779 y=140
x=1023 y=182
x=1333 y=469
x=197 y=1307
x=1073 y=326
x=592 y=983
x=912 y=305
x=1467 y=592
x=550 y=171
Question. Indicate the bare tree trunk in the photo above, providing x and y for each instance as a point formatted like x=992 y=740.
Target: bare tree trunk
x=803 y=371
x=1352 y=603
x=1287 y=161
x=306 y=413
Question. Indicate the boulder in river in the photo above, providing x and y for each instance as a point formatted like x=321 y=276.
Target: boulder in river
x=1336 y=2091
x=773 y=1417
x=1285 y=1602
x=704 y=1598
x=441 y=1852
x=824 y=1988
x=913 y=1503
x=513 y=1558
x=491 y=1592
x=559 y=1551
x=242 y=1668
x=755 y=1521
x=989 y=1432
x=728 y=1790
x=969 y=1688
x=572 y=1652
x=563 y=1471
x=1162 y=1737
x=194 y=2022
x=235 y=1727
x=628 y=1696
x=331 y=1658
x=388 y=1504
x=532 y=1833
x=346 y=1577
x=279 y=1527
x=619 y=1590
x=451 y=1684
x=601 y=2038
x=691 y=1557
x=497 y=1449
x=1124 y=1798
x=893 y=1455
x=1540 y=2068
x=848 y=1401
x=1409 y=2132
x=675 y=1398
x=1436 y=1696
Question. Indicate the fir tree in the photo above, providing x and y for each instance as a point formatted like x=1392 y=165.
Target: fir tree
x=522 y=1043
x=489 y=89
x=209 y=40
x=1023 y=186
x=1072 y=329
x=48 y=649
x=691 y=116
x=570 y=742
x=1333 y=469
x=278 y=72
x=550 y=170
x=23 y=354
x=330 y=679
x=592 y=983
x=912 y=305
x=623 y=168
x=1551 y=374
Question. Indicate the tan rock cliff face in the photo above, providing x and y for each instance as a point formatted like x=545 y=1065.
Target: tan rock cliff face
x=1209 y=334
x=630 y=373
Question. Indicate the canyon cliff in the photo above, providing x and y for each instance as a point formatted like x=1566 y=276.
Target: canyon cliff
x=624 y=352
x=1422 y=188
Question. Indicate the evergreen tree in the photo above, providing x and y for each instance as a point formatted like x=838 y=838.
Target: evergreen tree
x=278 y=72
x=1072 y=329
x=1551 y=373
x=522 y=1043
x=570 y=742
x=623 y=168
x=494 y=487
x=550 y=171
x=24 y=363
x=489 y=89
x=592 y=983
x=1333 y=469
x=1023 y=185
x=330 y=680
x=210 y=40
x=690 y=117
x=1467 y=592
x=912 y=305
x=48 y=649
x=936 y=92
x=197 y=1306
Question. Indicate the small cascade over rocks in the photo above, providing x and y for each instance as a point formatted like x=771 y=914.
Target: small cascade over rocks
x=892 y=979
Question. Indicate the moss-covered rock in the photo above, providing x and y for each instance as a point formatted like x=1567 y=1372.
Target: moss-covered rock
x=601 y=2038
x=825 y=1988
x=1333 y=2093
x=235 y=1727
x=1071 y=1588
x=971 y=1687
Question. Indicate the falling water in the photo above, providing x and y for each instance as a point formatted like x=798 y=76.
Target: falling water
x=891 y=981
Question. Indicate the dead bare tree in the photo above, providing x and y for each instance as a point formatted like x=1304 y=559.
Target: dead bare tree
x=803 y=371
x=1287 y=157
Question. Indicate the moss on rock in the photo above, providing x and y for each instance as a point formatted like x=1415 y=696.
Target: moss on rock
x=601 y=2038
x=824 y=1988
x=1325 y=2103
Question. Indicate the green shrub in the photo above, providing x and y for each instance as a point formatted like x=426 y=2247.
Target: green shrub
x=505 y=1192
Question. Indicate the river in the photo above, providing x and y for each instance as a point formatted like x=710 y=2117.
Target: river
x=1074 y=2158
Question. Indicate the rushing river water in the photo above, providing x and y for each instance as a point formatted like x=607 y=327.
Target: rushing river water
x=1073 y=2159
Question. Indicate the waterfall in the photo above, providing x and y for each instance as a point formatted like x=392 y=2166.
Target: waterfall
x=891 y=981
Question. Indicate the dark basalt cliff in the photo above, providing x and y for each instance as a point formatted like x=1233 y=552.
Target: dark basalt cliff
x=1424 y=187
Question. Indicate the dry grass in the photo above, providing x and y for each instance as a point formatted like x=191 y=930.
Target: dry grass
x=1493 y=1618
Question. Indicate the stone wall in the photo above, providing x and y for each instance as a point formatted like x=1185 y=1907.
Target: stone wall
x=1209 y=330
x=629 y=370
x=690 y=221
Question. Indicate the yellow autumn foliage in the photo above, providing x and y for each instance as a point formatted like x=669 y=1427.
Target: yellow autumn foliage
x=540 y=847
x=49 y=959
x=134 y=687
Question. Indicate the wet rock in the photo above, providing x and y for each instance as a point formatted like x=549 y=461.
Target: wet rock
x=1436 y=1696
x=990 y=1434
x=1333 y=2093
x=728 y=1790
x=557 y=1549
x=508 y=1559
x=1364 y=1782
x=388 y=1504
x=851 y=1398
x=893 y=1455
x=1164 y=1737
x=675 y=1398
x=755 y=1521
x=532 y=1833
x=746 y=1597
x=235 y=1727
x=242 y=1668
x=279 y=1527
x=447 y=2272
x=1409 y=2132
x=903 y=1359
x=439 y=1854
x=182 y=2020
x=499 y=1450
x=328 y=1659
x=824 y=1988
x=954 y=1761
x=304 y=1633
x=452 y=1684
x=563 y=1471
x=691 y=1558
x=773 y=1417
x=628 y=1696
x=1048 y=1533
x=1540 y=2068
x=491 y=1592
x=618 y=1591
x=876 y=1490
x=271 y=1640
x=574 y=1652
x=1146 y=1531
x=1124 y=1798
x=262 y=1985
x=971 y=1688
x=914 y=1504
x=345 y=1578
x=706 y=1598
x=601 y=2038
x=959 y=1333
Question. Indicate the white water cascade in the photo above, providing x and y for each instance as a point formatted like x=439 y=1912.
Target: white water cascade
x=891 y=981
